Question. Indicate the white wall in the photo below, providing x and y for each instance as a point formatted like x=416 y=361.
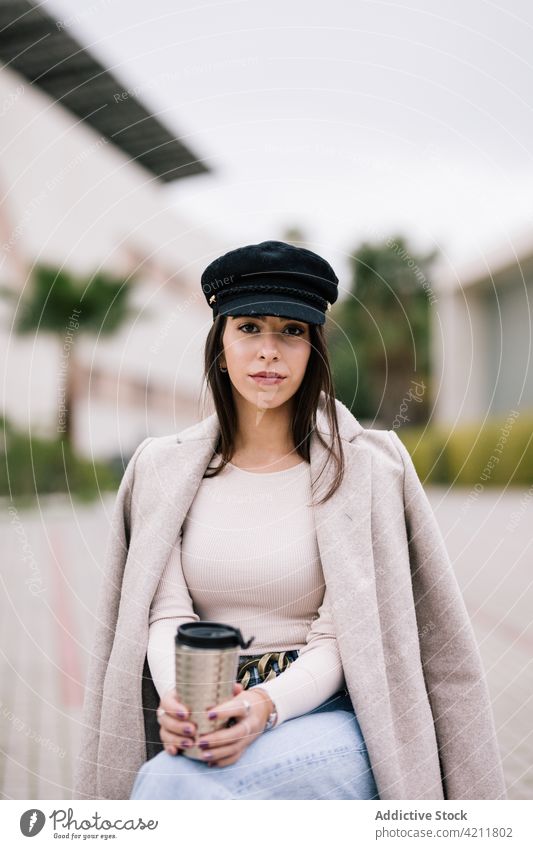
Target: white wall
x=459 y=340
x=71 y=199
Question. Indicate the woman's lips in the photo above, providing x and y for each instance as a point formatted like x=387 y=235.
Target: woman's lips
x=267 y=381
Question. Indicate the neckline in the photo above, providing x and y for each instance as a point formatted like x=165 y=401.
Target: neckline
x=265 y=474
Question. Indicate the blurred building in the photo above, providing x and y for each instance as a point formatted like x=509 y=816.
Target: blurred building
x=482 y=336
x=82 y=176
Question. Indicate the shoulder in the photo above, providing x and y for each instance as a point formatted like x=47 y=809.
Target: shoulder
x=384 y=447
x=153 y=445
x=155 y=449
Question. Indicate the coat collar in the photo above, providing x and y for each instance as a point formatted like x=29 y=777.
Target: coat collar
x=179 y=464
x=349 y=427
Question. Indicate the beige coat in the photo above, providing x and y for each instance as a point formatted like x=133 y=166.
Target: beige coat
x=410 y=660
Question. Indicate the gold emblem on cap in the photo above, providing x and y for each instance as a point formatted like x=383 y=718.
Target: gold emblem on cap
x=212 y=298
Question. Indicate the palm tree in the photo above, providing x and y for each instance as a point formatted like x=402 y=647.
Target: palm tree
x=59 y=303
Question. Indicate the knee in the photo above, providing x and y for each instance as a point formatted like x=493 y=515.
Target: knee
x=177 y=777
x=310 y=735
x=153 y=776
x=165 y=764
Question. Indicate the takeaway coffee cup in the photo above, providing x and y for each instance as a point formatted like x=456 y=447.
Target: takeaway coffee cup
x=207 y=662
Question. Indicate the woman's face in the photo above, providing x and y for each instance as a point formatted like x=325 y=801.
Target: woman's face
x=265 y=343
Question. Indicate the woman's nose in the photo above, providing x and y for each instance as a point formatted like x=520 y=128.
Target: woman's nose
x=269 y=344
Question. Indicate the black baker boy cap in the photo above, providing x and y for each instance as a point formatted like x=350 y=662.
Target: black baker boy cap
x=271 y=278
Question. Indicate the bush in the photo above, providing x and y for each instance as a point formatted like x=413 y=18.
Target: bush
x=31 y=467
x=499 y=452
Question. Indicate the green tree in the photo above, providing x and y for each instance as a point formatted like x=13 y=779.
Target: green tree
x=380 y=344
x=294 y=235
x=59 y=303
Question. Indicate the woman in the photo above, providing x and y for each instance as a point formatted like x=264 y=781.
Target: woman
x=375 y=687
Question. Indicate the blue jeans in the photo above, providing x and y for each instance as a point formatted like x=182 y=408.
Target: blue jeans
x=320 y=755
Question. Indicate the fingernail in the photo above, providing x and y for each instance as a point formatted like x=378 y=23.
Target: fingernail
x=212 y=714
x=180 y=714
x=203 y=744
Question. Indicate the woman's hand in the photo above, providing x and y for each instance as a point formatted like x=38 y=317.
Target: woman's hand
x=176 y=730
x=226 y=745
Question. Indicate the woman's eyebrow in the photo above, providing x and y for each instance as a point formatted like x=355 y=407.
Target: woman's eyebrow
x=263 y=320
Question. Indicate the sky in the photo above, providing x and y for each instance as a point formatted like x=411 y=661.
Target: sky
x=352 y=120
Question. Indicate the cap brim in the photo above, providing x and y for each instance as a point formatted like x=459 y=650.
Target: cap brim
x=270 y=304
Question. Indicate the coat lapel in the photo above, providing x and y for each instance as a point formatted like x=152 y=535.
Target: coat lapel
x=177 y=473
x=344 y=536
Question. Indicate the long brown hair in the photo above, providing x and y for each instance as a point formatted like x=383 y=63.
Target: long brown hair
x=317 y=378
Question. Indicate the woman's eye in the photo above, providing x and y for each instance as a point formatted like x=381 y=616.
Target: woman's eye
x=289 y=327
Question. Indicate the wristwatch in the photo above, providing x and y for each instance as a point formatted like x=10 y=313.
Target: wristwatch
x=272 y=716
x=272 y=719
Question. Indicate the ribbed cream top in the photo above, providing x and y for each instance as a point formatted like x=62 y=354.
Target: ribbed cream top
x=247 y=555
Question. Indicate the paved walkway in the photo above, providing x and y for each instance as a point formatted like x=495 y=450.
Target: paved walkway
x=491 y=545
x=50 y=570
